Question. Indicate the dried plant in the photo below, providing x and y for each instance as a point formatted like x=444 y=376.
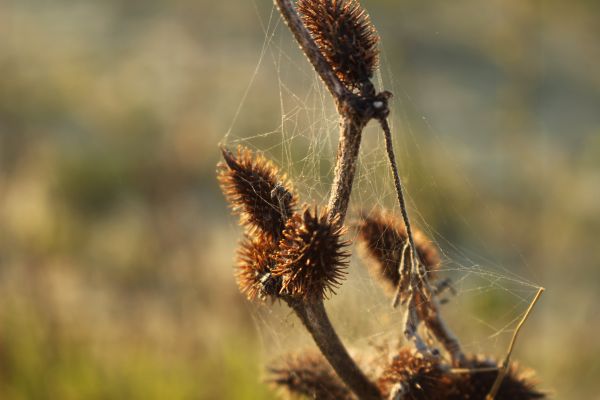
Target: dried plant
x=255 y=264
x=299 y=257
x=310 y=258
x=346 y=38
x=256 y=192
x=414 y=377
x=308 y=374
x=384 y=244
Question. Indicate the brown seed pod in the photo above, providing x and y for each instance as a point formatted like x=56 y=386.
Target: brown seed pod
x=310 y=375
x=263 y=199
x=382 y=237
x=476 y=385
x=412 y=376
x=346 y=37
x=253 y=272
x=311 y=260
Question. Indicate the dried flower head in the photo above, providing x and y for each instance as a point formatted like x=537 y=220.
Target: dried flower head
x=382 y=237
x=310 y=375
x=346 y=37
x=251 y=183
x=253 y=272
x=412 y=376
x=311 y=258
x=477 y=384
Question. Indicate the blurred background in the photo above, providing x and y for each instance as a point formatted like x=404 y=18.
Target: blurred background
x=116 y=246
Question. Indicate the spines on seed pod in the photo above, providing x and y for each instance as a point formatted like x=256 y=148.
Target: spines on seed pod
x=346 y=37
x=252 y=185
x=412 y=376
x=311 y=259
x=383 y=241
x=253 y=272
x=310 y=375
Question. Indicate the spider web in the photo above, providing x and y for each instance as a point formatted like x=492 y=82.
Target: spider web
x=302 y=141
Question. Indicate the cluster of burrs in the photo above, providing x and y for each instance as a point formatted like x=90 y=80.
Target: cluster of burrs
x=298 y=254
x=402 y=373
x=286 y=253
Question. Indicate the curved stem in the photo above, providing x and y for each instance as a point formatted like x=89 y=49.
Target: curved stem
x=315 y=319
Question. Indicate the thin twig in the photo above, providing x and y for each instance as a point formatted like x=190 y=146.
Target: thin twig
x=437 y=326
x=504 y=366
x=399 y=188
x=345 y=168
x=404 y=271
x=415 y=260
x=420 y=292
x=472 y=370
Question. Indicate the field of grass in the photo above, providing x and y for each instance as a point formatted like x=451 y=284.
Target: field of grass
x=116 y=246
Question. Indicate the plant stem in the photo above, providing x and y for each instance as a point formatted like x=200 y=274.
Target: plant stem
x=345 y=168
x=313 y=314
x=315 y=319
x=415 y=260
x=429 y=312
x=437 y=326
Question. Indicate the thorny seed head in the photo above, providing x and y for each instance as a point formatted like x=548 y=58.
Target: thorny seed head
x=251 y=183
x=308 y=374
x=382 y=237
x=253 y=272
x=311 y=259
x=412 y=376
x=408 y=376
x=476 y=385
x=346 y=37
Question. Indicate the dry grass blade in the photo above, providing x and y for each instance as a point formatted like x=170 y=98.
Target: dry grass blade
x=505 y=363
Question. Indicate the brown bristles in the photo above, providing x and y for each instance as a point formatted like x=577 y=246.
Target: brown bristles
x=346 y=37
x=409 y=376
x=412 y=376
x=311 y=259
x=382 y=237
x=477 y=384
x=263 y=199
x=308 y=375
x=253 y=273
